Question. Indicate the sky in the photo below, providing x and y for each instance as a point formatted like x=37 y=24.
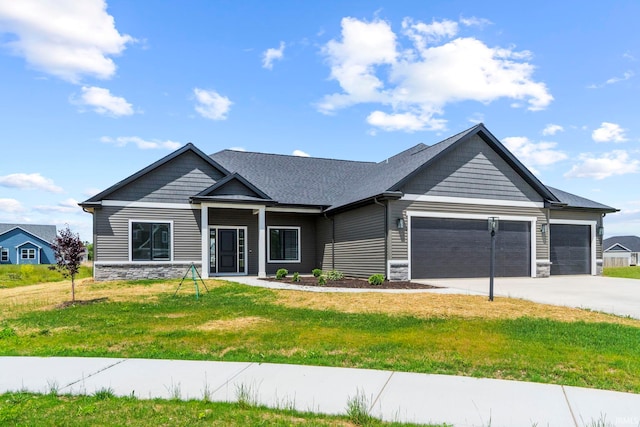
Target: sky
x=93 y=91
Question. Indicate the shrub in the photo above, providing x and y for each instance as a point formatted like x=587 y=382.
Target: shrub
x=376 y=279
x=322 y=280
x=335 y=275
x=296 y=277
x=316 y=272
x=281 y=273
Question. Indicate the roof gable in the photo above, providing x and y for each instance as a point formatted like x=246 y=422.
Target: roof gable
x=617 y=248
x=44 y=233
x=232 y=187
x=632 y=243
x=174 y=178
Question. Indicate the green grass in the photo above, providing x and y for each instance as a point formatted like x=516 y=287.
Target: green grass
x=241 y=323
x=27 y=274
x=625 y=272
x=104 y=409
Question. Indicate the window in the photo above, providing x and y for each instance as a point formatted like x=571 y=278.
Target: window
x=150 y=241
x=4 y=255
x=284 y=244
x=28 y=253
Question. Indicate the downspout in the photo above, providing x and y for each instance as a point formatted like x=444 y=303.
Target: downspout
x=333 y=241
x=386 y=234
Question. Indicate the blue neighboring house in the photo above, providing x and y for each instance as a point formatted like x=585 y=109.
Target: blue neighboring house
x=27 y=244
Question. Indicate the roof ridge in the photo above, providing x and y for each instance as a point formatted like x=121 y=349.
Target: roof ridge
x=291 y=156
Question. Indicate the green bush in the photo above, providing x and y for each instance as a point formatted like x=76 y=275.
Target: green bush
x=322 y=280
x=281 y=273
x=316 y=272
x=376 y=279
x=296 y=277
x=335 y=275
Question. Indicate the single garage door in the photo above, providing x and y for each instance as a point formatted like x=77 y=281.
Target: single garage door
x=453 y=248
x=570 y=249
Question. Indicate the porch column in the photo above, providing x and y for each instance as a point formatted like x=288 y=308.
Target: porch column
x=262 y=243
x=204 y=230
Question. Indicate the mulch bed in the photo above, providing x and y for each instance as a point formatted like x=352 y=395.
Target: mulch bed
x=352 y=283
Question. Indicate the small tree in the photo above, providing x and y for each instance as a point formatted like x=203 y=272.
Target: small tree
x=68 y=249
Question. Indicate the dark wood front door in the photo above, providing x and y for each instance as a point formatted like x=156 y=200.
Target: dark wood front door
x=227 y=250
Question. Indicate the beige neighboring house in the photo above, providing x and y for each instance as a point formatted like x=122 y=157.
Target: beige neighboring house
x=621 y=251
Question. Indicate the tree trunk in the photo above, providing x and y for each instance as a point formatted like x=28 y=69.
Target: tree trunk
x=73 y=290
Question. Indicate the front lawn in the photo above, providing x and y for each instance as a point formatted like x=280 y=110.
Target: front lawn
x=27 y=274
x=446 y=334
x=625 y=272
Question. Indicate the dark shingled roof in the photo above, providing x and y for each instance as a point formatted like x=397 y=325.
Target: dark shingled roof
x=573 y=201
x=45 y=232
x=630 y=242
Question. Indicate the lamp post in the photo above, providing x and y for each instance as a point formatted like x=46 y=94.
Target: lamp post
x=493 y=227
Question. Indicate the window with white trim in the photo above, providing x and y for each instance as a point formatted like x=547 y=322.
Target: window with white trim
x=284 y=244
x=150 y=241
x=28 y=253
x=4 y=255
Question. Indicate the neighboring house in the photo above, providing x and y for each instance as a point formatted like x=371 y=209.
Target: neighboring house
x=27 y=244
x=621 y=251
x=419 y=214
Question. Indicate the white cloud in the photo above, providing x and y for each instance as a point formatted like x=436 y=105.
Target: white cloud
x=32 y=181
x=613 y=80
x=90 y=192
x=609 y=132
x=416 y=83
x=211 y=105
x=11 y=206
x=64 y=38
x=103 y=102
x=534 y=154
x=616 y=162
x=475 y=22
x=66 y=206
x=237 y=149
x=300 y=153
x=143 y=144
x=552 y=129
x=272 y=54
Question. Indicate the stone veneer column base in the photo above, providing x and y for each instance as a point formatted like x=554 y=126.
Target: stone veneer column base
x=115 y=271
x=599 y=267
x=543 y=268
x=398 y=270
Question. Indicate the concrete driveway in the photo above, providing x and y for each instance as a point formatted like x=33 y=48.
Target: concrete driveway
x=606 y=294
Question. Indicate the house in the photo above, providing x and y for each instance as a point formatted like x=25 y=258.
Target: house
x=27 y=244
x=621 y=251
x=419 y=214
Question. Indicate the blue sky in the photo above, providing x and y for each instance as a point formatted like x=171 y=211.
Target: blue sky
x=93 y=91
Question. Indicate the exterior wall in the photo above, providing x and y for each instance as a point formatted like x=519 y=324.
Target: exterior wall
x=307 y=224
x=15 y=240
x=359 y=242
x=472 y=170
x=617 y=259
x=173 y=182
x=324 y=238
x=112 y=241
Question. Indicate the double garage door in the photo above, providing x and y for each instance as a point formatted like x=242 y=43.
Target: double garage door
x=455 y=248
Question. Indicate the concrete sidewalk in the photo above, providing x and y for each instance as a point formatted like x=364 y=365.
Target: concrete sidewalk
x=393 y=396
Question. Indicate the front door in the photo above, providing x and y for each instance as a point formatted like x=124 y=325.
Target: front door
x=227 y=250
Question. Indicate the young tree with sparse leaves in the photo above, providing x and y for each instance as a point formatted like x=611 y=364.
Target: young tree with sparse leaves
x=68 y=249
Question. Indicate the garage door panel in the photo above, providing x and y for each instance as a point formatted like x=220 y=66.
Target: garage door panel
x=457 y=248
x=570 y=247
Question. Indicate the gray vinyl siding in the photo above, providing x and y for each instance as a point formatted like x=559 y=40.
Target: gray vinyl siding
x=240 y=218
x=577 y=215
x=307 y=224
x=324 y=233
x=173 y=182
x=399 y=238
x=112 y=231
x=472 y=170
x=360 y=242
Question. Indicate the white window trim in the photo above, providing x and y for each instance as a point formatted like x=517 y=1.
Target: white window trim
x=593 y=225
x=283 y=227
x=245 y=254
x=456 y=215
x=154 y=221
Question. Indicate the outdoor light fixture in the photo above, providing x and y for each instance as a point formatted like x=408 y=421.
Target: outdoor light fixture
x=492 y=224
x=543 y=229
x=600 y=231
x=400 y=223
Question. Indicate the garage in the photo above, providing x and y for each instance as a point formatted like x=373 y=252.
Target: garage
x=570 y=246
x=457 y=248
